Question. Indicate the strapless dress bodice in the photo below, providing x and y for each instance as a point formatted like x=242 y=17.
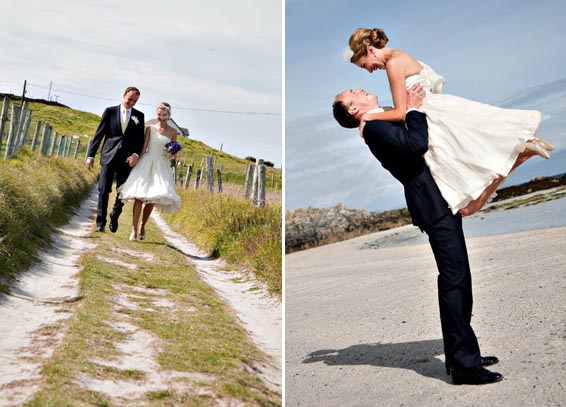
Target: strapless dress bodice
x=427 y=78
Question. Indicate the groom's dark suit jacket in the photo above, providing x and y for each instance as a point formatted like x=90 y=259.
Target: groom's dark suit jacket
x=400 y=150
x=110 y=131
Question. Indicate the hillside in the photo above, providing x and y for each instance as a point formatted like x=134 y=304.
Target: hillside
x=68 y=121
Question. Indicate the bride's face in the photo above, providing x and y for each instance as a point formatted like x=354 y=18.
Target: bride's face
x=162 y=115
x=372 y=61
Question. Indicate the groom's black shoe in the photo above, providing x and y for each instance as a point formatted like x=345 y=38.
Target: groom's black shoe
x=475 y=376
x=488 y=361
x=113 y=226
x=484 y=361
x=100 y=228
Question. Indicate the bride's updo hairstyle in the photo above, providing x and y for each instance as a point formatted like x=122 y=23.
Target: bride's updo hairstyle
x=362 y=38
x=166 y=107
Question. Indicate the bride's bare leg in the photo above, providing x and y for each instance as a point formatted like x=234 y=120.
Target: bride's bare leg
x=147 y=209
x=478 y=203
x=136 y=218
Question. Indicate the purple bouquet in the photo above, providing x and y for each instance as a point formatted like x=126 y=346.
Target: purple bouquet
x=173 y=147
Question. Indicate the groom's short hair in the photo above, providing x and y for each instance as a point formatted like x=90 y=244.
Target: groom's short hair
x=343 y=117
x=132 y=88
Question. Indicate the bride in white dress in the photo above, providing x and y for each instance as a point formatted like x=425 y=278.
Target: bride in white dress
x=151 y=180
x=472 y=146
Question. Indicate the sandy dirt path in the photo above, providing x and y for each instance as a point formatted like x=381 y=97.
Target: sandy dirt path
x=362 y=325
x=45 y=294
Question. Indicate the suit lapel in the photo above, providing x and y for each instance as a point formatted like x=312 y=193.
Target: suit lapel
x=117 y=122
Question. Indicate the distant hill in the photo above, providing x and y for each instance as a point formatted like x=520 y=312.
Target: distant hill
x=68 y=121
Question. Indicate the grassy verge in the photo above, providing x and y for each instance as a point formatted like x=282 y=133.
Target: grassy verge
x=196 y=333
x=245 y=235
x=36 y=195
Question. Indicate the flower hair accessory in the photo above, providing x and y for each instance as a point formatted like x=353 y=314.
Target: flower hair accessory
x=172 y=147
x=135 y=119
x=347 y=54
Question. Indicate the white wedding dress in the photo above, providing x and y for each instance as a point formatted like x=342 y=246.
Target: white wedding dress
x=470 y=143
x=151 y=180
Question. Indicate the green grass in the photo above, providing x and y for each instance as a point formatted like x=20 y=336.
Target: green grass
x=243 y=234
x=36 y=195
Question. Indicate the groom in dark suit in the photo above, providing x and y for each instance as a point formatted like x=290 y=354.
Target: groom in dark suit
x=121 y=132
x=400 y=148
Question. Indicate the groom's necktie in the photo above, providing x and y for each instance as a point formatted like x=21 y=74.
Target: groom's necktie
x=124 y=120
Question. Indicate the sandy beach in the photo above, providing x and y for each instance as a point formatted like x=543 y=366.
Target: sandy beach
x=362 y=321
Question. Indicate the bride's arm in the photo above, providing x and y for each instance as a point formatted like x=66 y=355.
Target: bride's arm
x=146 y=142
x=173 y=137
x=396 y=75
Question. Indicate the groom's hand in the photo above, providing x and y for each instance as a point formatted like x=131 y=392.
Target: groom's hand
x=89 y=163
x=132 y=160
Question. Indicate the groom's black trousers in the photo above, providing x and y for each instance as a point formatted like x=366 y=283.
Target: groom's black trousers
x=119 y=168
x=446 y=238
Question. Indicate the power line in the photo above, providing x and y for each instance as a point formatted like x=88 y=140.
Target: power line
x=148 y=104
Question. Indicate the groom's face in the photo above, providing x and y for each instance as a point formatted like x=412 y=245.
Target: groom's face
x=359 y=101
x=130 y=99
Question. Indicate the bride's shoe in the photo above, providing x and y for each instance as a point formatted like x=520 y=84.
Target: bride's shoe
x=133 y=237
x=535 y=147
x=142 y=233
x=544 y=144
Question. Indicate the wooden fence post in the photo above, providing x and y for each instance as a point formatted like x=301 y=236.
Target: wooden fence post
x=61 y=146
x=210 y=173
x=25 y=129
x=53 y=142
x=188 y=177
x=179 y=172
x=261 y=185
x=12 y=134
x=258 y=191
x=198 y=178
x=35 y=135
x=249 y=178
x=77 y=149
x=219 y=176
x=44 y=139
x=3 y=118
x=21 y=122
x=69 y=146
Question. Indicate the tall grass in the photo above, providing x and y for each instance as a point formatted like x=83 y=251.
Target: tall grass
x=36 y=195
x=243 y=234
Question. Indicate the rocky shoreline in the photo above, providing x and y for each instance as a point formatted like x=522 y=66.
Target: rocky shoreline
x=312 y=227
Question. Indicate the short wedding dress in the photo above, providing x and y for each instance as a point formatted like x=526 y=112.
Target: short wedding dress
x=151 y=180
x=470 y=143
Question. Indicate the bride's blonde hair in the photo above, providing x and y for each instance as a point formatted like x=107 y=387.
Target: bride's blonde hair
x=362 y=38
x=164 y=106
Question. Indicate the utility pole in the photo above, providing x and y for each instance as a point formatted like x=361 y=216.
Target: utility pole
x=49 y=94
x=23 y=94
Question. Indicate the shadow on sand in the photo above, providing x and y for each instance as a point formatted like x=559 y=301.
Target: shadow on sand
x=419 y=356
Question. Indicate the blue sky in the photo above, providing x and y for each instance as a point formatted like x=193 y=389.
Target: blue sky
x=489 y=51
x=201 y=56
